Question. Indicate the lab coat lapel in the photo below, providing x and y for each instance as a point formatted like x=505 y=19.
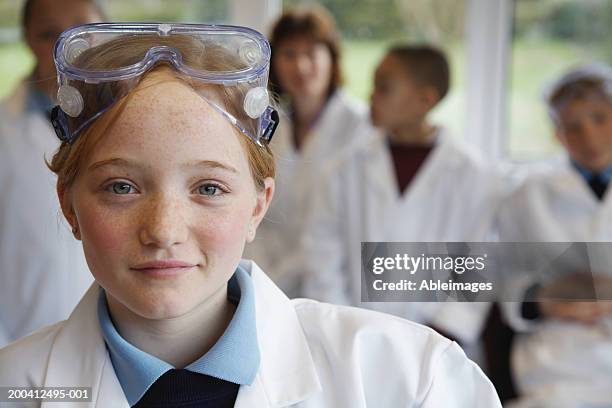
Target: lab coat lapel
x=569 y=183
x=327 y=130
x=574 y=196
x=420 y=202
x=80 y=336
x=404 y=211
x=601 y=210
x=381 y=193
x=287 y=374
x=428 y=174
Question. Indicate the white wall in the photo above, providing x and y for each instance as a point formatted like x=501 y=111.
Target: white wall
x=257 y=14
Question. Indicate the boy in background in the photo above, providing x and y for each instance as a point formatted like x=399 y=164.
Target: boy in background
x=409 y=181
x=564 y=355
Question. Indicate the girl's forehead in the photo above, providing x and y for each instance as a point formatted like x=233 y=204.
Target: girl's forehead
x=167 y=101
x=164 y=119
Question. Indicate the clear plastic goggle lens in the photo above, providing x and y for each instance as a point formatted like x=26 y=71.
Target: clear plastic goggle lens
x=227 y=56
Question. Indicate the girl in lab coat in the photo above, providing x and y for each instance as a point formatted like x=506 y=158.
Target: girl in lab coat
x=163 y=190
x=320 y=120
x=408 y=181
x=562 y=358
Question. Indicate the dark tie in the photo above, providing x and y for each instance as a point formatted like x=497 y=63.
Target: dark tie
x=186 y=389
x=598 y=185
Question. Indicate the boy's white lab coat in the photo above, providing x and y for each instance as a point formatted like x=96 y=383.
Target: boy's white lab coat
x=43 y=273
x=298 y=177
x=453 y=197
x=312 y=355
x=558 y=363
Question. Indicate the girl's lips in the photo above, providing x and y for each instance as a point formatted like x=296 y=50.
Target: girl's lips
x=164 y=269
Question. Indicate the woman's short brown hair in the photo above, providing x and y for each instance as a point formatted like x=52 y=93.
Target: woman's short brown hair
x=315 y=23
x=124 y=51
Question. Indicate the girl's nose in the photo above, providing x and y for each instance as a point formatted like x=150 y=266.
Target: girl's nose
x=163 y=223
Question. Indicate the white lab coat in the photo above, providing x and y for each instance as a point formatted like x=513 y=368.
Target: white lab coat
x=558 y=363
x=312 y=355
x=453 y=197
x=43 y=273
x=297 y=177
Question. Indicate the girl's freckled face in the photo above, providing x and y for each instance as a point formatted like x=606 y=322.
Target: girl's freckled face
x=170 y=181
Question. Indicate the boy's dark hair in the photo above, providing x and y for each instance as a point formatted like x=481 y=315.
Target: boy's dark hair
x=28 y=7
x=312 y=22
x=426 y=65
x=578 y=83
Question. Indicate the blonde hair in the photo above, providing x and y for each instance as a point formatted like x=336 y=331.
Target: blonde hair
x=128 y=50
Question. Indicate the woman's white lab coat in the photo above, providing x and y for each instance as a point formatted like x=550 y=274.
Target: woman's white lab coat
x=558 y=363
x=312 y=355
x=43 y=273
x=297 y=176
x=453 y=197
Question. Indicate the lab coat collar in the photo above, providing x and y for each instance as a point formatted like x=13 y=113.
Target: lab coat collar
x=91 y=366
x=321 y=138
x=566 y=180
x=382 y=175
x=323 y=132
x=286 y=376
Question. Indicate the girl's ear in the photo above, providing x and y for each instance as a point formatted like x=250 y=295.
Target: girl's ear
x=264 y=198
x=63 y=194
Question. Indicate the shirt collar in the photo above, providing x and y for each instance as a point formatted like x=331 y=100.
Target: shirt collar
x=435 y=140
x=235 y=357
x=588 y=174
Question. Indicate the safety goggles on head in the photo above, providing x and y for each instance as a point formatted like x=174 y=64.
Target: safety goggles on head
x=236 y=59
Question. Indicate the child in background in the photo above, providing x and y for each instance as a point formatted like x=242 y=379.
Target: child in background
x=408 y=181
x=321 y=120
x=38 y=257
x=563 y=357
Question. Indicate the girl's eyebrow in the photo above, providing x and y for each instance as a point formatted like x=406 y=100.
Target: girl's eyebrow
x=115 y=162
x=212 y=164
x=119 y=162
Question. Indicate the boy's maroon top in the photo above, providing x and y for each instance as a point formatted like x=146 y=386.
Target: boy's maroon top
x=407 y=160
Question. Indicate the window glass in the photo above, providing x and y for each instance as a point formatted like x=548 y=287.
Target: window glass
x=16 y=62
x=550 y=36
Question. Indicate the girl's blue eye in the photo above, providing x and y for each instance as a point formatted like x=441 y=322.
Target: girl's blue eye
x=122 y=188
x=209 y=190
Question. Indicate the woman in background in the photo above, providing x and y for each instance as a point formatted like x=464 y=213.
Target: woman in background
x=320 y=121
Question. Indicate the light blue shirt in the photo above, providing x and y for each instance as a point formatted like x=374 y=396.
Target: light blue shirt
x=235 y=356
x=588 y=175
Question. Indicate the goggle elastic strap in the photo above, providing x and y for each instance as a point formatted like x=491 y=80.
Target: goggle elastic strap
x=270 y=119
